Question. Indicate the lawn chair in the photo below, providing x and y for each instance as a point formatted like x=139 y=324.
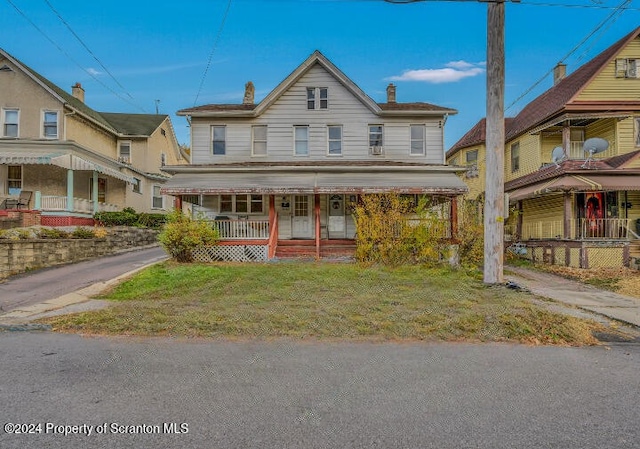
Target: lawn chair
x=22 y=201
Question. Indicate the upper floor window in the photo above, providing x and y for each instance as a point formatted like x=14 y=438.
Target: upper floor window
x=11 y=120
x=471 y=157
x=418 y=135
x=124 y=152
x=259 y=146
x=163 y=159
x=515 y=156
x=137 y=185
x=50 y=124
x=637 y=120
x=627 y=68
x=219 y=140
x=301 y=144
x=157 y=202
x=317 y=98
x=376 y=138
x=334 y=135
x=14 y=179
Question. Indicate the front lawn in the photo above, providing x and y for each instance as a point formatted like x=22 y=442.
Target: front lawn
x=324 y=300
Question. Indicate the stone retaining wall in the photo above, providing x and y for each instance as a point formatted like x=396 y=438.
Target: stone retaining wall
x=17 y=256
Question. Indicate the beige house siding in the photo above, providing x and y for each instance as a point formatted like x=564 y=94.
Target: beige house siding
x=91 y=136
x=606 y=85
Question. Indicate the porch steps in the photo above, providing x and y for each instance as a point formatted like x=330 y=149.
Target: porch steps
x=293 y=249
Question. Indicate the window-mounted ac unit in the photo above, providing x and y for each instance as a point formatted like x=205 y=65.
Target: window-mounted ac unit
x=376 y=150
x=124 y=159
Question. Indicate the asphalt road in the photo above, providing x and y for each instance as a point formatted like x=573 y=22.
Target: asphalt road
x=41 y=285
x=287 y=394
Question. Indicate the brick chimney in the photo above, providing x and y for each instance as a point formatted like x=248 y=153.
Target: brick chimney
x=391 y=93
x=559 y=73
x=249 y=92
x=77 y=91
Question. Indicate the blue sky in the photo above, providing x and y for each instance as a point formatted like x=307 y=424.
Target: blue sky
x=128 y=54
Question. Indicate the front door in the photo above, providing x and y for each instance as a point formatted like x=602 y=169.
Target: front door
x=337 y=219
x=302 y=217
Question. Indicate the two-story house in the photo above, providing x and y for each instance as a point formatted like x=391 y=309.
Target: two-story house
x=572 y=163
x=288 y=170
x=68 y=161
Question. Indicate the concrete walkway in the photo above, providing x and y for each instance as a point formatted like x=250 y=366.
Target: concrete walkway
x=625 y=309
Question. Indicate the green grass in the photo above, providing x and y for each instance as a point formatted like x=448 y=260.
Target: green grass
x=323 y=300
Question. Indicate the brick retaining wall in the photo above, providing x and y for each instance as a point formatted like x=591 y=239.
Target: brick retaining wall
x=17 y=256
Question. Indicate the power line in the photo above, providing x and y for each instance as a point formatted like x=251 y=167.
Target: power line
x=213 y=49
x=87 y=48
x=19 y=11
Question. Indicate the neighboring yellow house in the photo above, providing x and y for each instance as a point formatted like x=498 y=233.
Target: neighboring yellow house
x=68 y=161
x=572 y=163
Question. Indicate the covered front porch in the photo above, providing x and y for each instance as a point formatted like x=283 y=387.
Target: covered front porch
x=302 y=212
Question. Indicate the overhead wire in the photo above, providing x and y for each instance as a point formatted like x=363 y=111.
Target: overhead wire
x=55 y=44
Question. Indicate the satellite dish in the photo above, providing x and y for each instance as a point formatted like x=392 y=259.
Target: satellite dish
x=593 y=146
x=557 y=155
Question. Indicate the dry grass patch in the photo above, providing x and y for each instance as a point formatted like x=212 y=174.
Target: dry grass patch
x=324 y=300
x=620 y=280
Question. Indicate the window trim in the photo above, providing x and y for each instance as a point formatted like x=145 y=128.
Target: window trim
x=317 y=98
x=623 y=68
x=423 y=127
x=4 y=122
x=136 y=186
x=121 y=158
x=9 y=180
x=371 y=141
x=515 y=162
x=254 y=141
x=43 y=127
x=329 y=140
x=295 y=141
x=213 y=141
x=249 y=201
x=154 y=197
x=466 y=157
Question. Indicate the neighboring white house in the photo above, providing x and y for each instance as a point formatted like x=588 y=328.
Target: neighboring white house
x=290 y=167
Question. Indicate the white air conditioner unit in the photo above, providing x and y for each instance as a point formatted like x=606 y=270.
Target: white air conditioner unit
x=124 y=159
x=376 y=150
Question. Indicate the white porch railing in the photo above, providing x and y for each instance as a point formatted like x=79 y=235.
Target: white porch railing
x=576 y=151
x=241 y=229
x=80 y=205
x=601 y=228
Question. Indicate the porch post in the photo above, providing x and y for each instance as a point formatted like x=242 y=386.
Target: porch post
x=519 y=221
x=70 y=190
x=566 y=139
x=317 y=209
x=94 y=191
x=177 y=203
x=567 y=215
x=454 y=217
x=37 y=201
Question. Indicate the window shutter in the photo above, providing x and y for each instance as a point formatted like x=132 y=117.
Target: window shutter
x=621 y=68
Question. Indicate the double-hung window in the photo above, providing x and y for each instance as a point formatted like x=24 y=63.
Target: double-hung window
x=515 y=156
x=124 y=151
x=259 y=140
x=14 y=179
x=137 y=185
x=219 y=140
x=471 y=157
x=334 y=136
x=50 y=124
x=317 y=98
x=627 y=68
x=376 y=139
x=157 y=202
x=301 y=143
x=418 y=134
x=11 y=120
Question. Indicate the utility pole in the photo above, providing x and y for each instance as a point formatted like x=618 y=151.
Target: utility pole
x=494 y=178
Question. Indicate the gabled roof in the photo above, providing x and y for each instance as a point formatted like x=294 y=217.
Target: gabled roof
x=555 y=100
x=134 y=124
x=316 y=58
x=117 y=123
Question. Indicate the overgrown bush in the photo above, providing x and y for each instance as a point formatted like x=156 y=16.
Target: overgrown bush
x=181 y=235
x=391 y=230
x=153 y=221
x=471 y=234
x=83 y=233
x=52 y=233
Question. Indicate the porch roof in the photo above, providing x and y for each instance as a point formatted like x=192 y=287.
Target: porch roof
x=446 y=183
x=577 y=183
x=68 y=161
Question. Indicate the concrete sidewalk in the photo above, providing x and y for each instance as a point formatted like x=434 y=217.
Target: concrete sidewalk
x=625 y=309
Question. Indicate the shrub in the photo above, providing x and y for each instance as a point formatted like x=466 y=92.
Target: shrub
x=126 y=217
x=153 y=221
x=52 y=233
x=181 y=235
x=471 y=234
x=83 y=233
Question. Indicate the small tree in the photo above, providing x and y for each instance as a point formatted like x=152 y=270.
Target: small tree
x=181 y=235
x=471 y=234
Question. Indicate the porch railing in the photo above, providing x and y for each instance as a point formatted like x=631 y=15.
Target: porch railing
x=80 y=205
x=580 y=229
x=576 y=151
x=241 y=229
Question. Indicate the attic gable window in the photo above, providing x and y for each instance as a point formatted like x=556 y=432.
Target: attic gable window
x=627 y=68
x=317 y=98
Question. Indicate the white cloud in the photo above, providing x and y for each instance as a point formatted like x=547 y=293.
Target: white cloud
x=93 y=72
x=452 y=72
